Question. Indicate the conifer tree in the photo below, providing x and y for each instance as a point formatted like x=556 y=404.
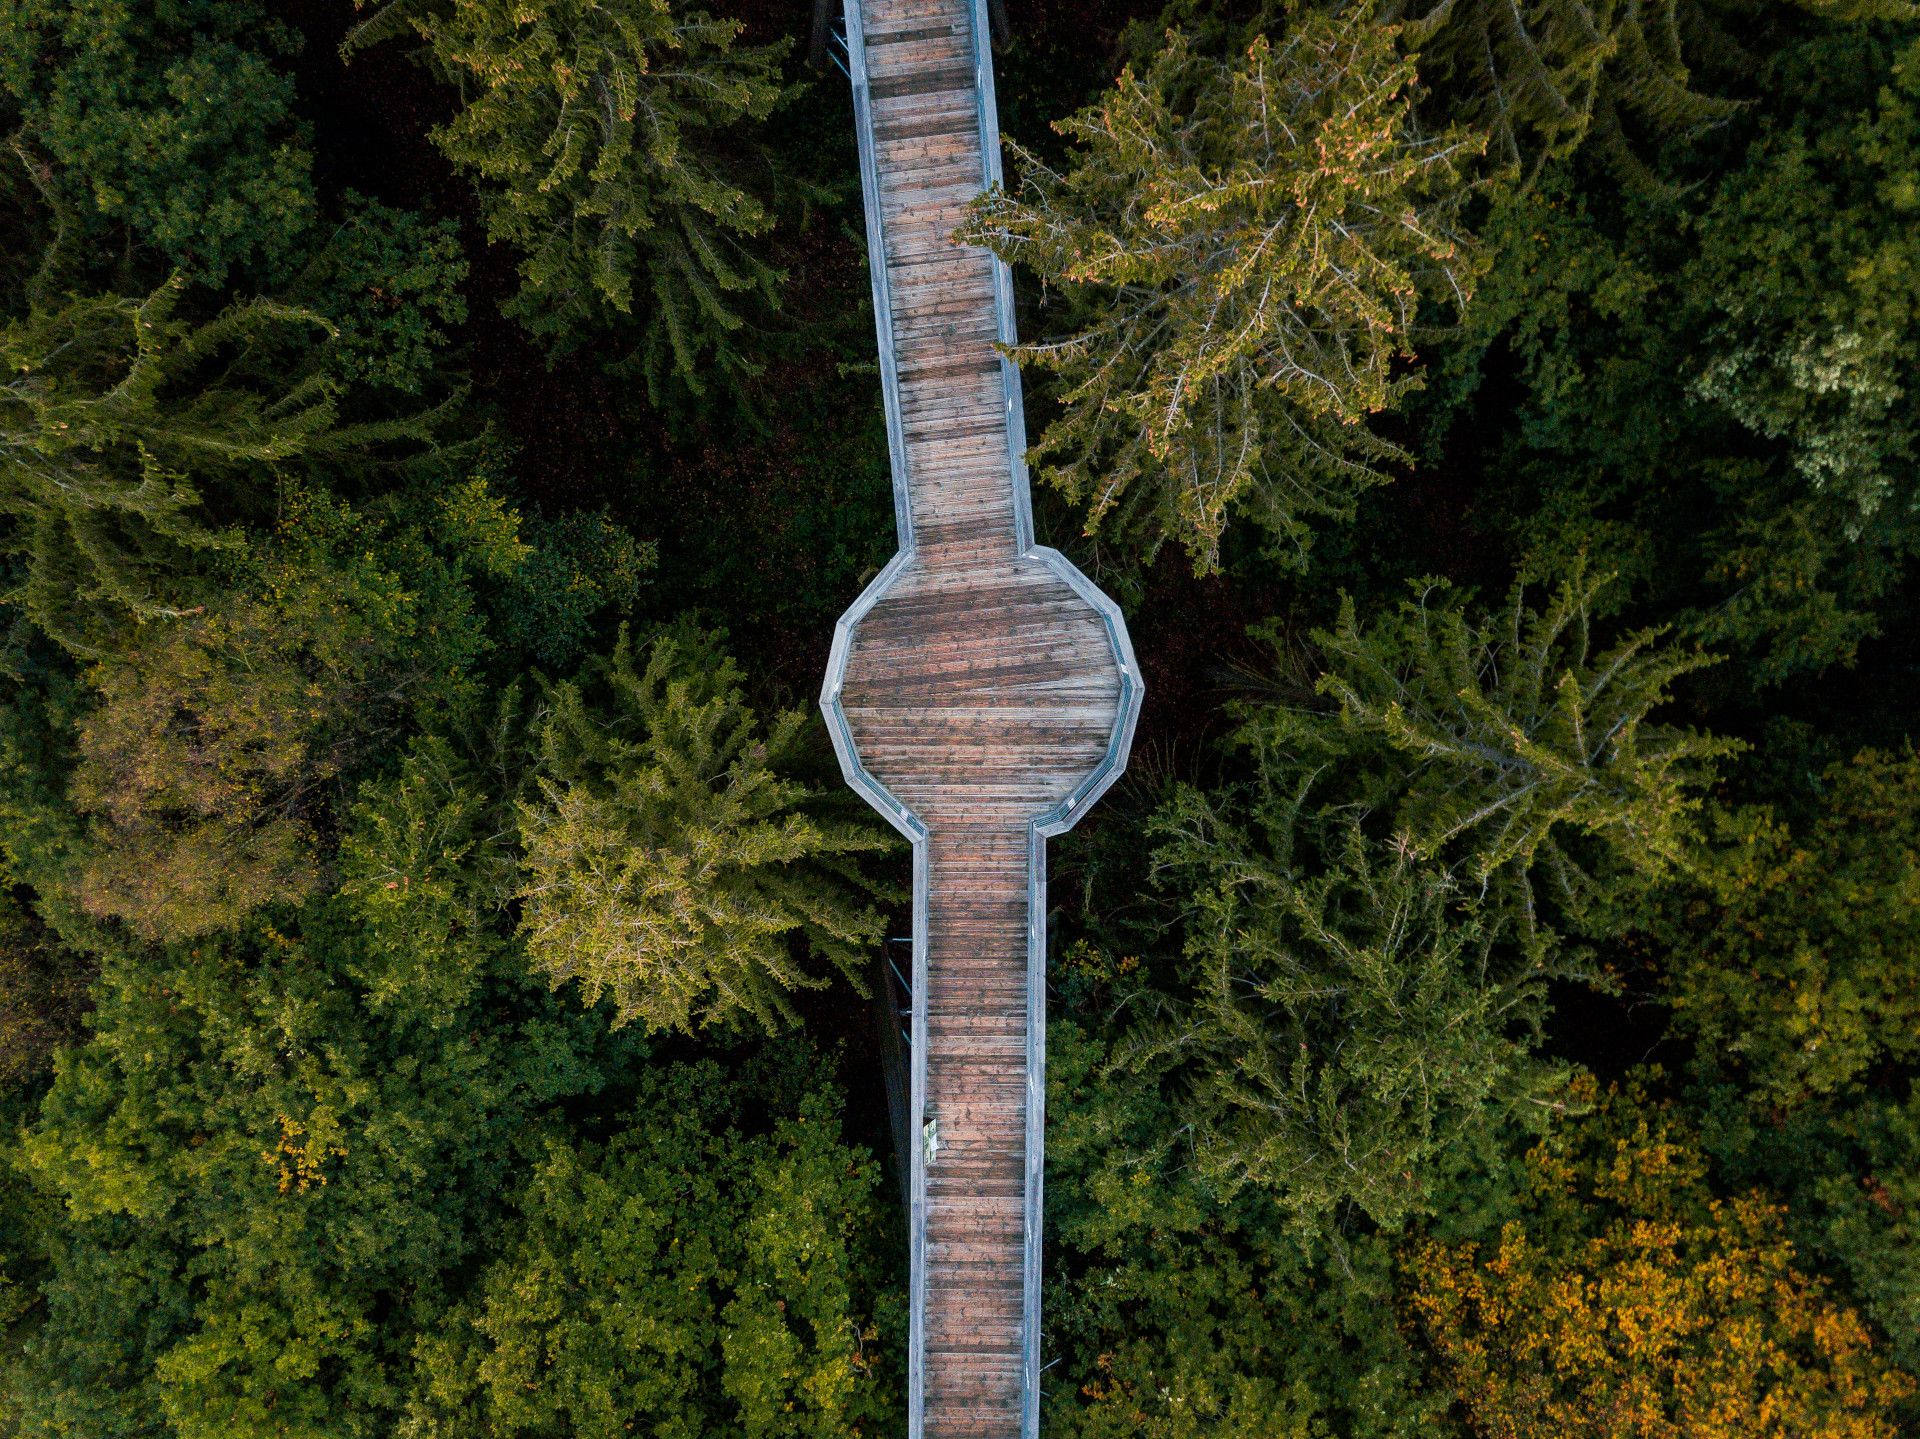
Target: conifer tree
x=1520 y=729
x=1365 y=961
x=1345 y=1014
x=1245 y=245
x=591 y=131
x=674 y=862
x=132 y=438
x=1541 y=77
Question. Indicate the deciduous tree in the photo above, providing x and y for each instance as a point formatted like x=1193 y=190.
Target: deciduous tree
x=689 y=1274
x=1790 y=957
x=1632 y=1302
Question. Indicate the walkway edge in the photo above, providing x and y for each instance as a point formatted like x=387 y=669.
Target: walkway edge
x=1055 y=821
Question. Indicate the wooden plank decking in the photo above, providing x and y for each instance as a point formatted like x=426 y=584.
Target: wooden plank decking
x=982 y=694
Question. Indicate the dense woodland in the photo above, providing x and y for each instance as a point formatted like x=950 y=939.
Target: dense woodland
x=436 y=947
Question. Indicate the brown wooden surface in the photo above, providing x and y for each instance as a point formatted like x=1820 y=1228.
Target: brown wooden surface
x=980 y=691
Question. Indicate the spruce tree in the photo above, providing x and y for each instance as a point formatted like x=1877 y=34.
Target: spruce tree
x=675 y=863
x=1244 y=245
x=1371 y=920
x=1542 y=77
x=1524 y=737
x=597 y=135
x=1345 y=1014
x=133 y=440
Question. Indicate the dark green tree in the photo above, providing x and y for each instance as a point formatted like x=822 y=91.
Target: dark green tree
x=601 y=139
x=136 y=441
x=1366 y=954
x=1173 y=1314
x=583 y=566
x=677 y=862
x=1343 y=1014
x=390 y=282
x=173 y=120
x=1707 y=372
x=1244 y=245
x=1542 y=77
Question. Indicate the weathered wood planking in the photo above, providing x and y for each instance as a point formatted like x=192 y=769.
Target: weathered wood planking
x=981 y=694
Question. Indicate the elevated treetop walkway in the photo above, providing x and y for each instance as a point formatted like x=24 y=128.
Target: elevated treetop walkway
x=981 y=694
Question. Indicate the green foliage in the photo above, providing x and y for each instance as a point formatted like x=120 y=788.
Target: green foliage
x=210 y=758
x=1365 y=957
x=134 y=440
x=40 y=699
x=281 y=1152
x=1518 y=730
x=1708 y=381
x=579 y=566
x=1632 y=1300
x=170 y=119
x=594 y=135
x=675 y=861
x=1542 y=77
x=683 y=1274
x=1344 y=1015
x=389 y=281
x=1826 y=218
x=1172 y=1314
x=1245 y=245
x=1791 y=959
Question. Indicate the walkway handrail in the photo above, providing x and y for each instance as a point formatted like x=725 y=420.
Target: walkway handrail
x=1056 y=820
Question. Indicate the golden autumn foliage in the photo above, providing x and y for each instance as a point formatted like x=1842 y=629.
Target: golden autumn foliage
x=1632 y=1303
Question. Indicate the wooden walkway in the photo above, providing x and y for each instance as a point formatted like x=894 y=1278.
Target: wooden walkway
x=981 y=694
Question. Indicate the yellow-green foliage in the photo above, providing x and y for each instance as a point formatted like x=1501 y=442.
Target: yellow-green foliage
x=1794 y=956
x=706 y=1280
x=1521 y=729
x=675 y=863
x=1246 y=244
x=114 y=414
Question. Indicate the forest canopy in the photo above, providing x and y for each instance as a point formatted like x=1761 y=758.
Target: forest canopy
x=443 y=978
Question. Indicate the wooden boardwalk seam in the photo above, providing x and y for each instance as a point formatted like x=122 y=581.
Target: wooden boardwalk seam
x=981 y=694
